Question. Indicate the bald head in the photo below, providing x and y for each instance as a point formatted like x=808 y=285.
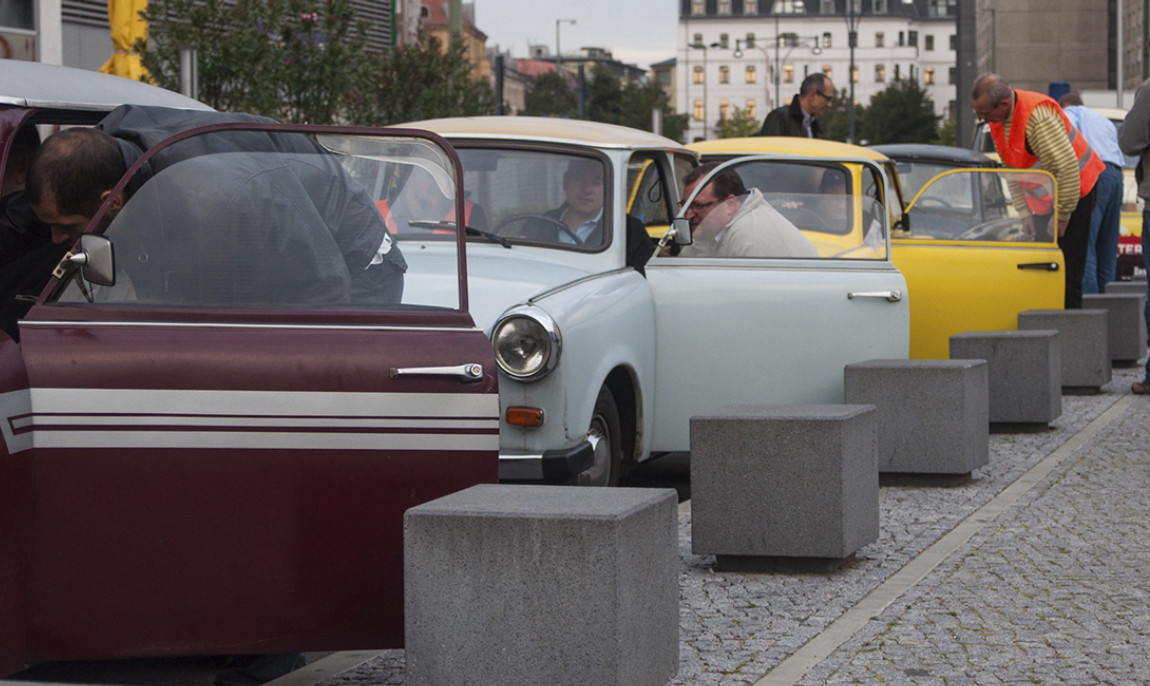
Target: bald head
x=71 y=174
x=992 y=98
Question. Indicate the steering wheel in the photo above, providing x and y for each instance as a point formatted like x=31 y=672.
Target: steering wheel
x=499 y=230
x=931 y=201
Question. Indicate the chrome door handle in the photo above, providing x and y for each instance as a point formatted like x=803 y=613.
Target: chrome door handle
x=889 y=296
x=464 y=372
x=1048 y=266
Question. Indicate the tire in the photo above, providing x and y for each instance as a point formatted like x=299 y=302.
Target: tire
x=606 y=438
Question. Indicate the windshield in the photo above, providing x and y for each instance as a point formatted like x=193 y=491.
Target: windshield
x=549 y=198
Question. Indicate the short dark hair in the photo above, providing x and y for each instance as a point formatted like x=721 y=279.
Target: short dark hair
x=76 y=165
x=724 y=184
x=814 y=82
x=1070 y=100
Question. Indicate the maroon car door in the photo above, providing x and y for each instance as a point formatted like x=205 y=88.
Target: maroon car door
x=212 y=454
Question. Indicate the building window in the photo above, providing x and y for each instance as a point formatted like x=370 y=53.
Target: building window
x=790 y=40
x=750 y=6
x=855 y=74
x=724 y=110
x=953 y=42
x=901 y=38
x=829 y=71
x=788 y=7
x=749 y=41
x=789 y=73
x=878 y=6
x=698 y=7
x=928 y=42
x=827 y=39
x=724 y=41
x=928 y=76
x=896 y=76
x=952 y=75
x=751 y=76
x=879 y=37
x=699 y=75
x=724 y=74
x=880 y=73
x=939 y=9
x=698 y=110
x=826 y=6
x=698 y=39
x=912 y=38
x=751 y=110
x=857 y=6
x=724 y=6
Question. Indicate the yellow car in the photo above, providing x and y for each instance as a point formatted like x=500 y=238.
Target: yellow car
x=975 y=271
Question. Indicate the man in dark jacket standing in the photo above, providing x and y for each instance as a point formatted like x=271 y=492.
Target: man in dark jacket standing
x=800 y=117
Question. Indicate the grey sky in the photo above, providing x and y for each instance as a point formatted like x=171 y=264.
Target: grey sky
x=635 y=31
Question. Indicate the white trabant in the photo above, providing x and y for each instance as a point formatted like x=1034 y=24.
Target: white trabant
x=607 y=346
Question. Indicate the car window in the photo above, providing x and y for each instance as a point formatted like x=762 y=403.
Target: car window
x=985 y=205
x=536 y=197
x=836 y=206
x=305 y=229
x=650 y=200
x=952 y=191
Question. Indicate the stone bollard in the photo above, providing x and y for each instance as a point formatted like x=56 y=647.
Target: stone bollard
x=933 y=415
x=1127 y=331
x=783 y=481
x=1024 y=369
x=1084 y=339
x=528 y=585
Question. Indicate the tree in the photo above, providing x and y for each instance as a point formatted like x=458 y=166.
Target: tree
x=948 y=132
x=834 y=124
x=306 y=61
x=901 y=113
x=422 y=81
x=739 y=125
x=550 y=96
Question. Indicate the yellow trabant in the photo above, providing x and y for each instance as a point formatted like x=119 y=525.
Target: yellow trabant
x=970 y=261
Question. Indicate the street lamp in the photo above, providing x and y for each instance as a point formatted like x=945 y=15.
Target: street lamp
x=703 y=47
x=776 y=75
x=558 y=52
x=853 y=18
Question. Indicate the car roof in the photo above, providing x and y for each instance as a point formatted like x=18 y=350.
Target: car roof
x=795 y=145
x=548 y=129
x=32 y=84
x=941 y=153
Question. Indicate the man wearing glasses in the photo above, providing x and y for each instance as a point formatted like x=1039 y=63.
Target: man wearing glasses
x=800 y=118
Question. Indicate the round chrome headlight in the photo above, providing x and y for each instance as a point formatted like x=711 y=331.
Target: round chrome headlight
x=526 y=342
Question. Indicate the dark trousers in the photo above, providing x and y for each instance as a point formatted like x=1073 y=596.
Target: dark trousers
x=1074 y=244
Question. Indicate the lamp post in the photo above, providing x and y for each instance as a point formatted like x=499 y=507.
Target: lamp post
x=853 y=18
x=558 y=52
x=776 y=74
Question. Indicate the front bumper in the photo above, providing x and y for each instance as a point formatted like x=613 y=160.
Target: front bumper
x=551 y=465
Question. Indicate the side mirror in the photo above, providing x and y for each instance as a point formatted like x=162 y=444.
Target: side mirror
x=681 y=231
x=96 y=260
x=903 y=223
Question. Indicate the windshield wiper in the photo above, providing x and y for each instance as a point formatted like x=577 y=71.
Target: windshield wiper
x=469 y=230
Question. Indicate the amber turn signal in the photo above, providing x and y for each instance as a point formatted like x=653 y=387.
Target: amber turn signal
x=524 y=416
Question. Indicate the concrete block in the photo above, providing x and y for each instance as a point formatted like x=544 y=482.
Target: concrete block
x=517 y=584
x=1084 y=338
x=1127 y=327
x=784 y=481
x=1024 y=369
x=1134 y=287
x=933 y=415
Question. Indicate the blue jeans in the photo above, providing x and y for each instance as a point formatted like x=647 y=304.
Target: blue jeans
x=1146 y=263
x=1102 y=253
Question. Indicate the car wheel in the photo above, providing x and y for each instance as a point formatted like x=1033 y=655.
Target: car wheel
x=605 y=437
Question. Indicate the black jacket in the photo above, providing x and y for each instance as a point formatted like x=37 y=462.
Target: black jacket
x=788 y=121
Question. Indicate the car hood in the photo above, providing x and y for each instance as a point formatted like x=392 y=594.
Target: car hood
x=497 y=278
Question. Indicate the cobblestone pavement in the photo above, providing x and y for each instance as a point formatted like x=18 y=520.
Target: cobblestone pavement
x=1052 y=591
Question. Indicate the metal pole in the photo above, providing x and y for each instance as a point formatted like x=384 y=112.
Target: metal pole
x=1118 y=49
x=778 y=76
x=189 y=78
x=852 y=36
